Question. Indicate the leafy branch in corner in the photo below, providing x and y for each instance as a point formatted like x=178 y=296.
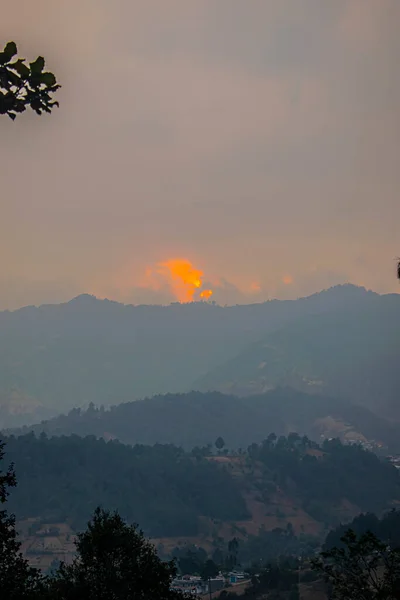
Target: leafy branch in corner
x=25 y=84
x=364 y=568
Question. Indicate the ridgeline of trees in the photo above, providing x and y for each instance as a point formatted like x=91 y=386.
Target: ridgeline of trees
x=386 y=528
x=161 y=487
x=324 y=476
x=176 y=419
x=166 y=489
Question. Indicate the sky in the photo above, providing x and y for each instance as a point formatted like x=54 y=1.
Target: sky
x=259 y=140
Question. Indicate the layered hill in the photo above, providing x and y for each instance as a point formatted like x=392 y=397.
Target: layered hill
x=351 y=354
x=172 y=493
x=55 y=357
x=197 y=419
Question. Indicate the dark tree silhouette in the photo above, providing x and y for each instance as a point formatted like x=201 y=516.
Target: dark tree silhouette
x=18 y=581
x=114 y=561
x=24 y=84
x=219 y=443
x=209 y=570
x=364 y=568
x=233 y=549
x=7 y=478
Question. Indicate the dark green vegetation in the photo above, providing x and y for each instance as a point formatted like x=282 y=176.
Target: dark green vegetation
x=160 y=487
x=362 y=568
x=197 y=419
x=250 y=553
x=386 y=528
x=24 y=85
x=61 y=356
x=17 y=580
x=277 y=579
x=113 y=560
x=351 y=354
x=167 y=490
x=327 y=475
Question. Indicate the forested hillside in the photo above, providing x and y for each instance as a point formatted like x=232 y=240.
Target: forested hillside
x=197 y=419
x=172 y=493
x=350 y=354
x=386 y=528
x=160 y=487
x=56 y=357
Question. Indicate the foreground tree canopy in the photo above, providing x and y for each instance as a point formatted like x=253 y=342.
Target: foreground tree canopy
x=18 y=581
x=114 y=561
x=363 y=568
x=24 y=85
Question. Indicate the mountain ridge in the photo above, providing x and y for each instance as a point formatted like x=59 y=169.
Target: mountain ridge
x=87 y=299
x=349 y=353
x=91 y=350
x=197 y=419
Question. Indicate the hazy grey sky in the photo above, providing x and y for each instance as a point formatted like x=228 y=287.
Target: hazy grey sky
x=259 y=139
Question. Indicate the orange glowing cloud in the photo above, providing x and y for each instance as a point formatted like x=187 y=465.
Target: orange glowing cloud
x=255 y=287
x=287 y=280
x=180 y=276
x=206 y=294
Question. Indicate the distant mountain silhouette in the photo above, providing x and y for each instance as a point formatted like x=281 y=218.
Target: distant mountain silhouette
x=91 y=350
x=198 y=419
x=351 y=353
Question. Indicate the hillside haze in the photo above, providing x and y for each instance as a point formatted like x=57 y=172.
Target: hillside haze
x=198 y=419
x=197 y=497
x=350 y=353
x=55 y=357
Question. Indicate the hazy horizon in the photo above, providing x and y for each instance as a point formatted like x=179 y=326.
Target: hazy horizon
x=257 y=140
x=195 y=301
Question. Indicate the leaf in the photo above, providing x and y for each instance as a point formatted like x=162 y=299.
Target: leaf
x=9 y=51
x=12 y=116
x=21 y=68
x=48 y=79
x=34 y=81
x=13 y=78
x=19 y=106
x=4 y=80
x=36 y=103
x=37 y=66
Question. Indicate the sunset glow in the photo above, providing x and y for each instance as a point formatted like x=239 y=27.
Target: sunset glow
x=181 y=277
x=206 y=294
x=287 y=280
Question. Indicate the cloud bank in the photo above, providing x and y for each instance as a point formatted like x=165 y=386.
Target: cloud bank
x=258 y=140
